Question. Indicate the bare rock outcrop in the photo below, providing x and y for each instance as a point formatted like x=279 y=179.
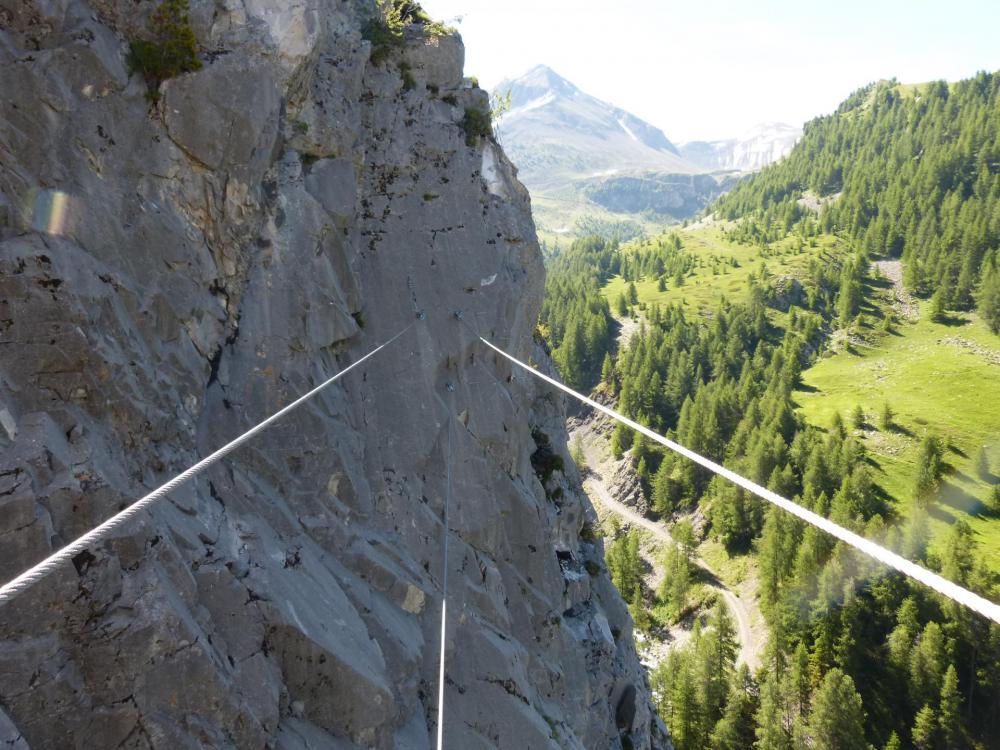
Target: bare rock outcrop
x=171 y=273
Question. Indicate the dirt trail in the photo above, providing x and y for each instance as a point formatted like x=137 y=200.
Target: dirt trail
x=902 y=301
x=752 y=639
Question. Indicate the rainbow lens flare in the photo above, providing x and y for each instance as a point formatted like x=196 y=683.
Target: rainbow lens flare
x=52 y=212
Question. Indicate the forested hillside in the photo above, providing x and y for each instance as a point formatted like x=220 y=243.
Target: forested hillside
x=731 y=322
x=910 y=172
x=575 y=319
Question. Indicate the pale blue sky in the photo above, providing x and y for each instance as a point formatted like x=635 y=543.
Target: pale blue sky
x=714 y=68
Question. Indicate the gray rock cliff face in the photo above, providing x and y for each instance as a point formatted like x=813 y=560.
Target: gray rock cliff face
x=170 y=274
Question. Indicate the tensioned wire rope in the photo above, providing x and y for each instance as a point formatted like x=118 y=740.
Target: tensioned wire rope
x=947 y=588
x=38 y=571
x=887 y=557
x=444 y=584
x=66 y=554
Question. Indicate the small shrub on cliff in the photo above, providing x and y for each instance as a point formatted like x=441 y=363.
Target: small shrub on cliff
x=544 y=460
x=476 y=125
x=405 y=72
x=385 y=30
x=172 y=49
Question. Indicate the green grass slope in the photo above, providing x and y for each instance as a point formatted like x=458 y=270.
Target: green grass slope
x=715 y=274
x=939 y=378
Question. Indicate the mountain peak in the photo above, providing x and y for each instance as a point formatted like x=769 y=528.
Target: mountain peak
x=602 y=136
x=538 y=81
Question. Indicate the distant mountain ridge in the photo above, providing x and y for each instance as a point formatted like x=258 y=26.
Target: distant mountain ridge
x=581 y=156
x=554 y=130
x=753 y=150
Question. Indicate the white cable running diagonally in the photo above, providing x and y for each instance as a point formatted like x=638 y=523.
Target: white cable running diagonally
x=35 y=573
x=444 y=591
x=942 y=585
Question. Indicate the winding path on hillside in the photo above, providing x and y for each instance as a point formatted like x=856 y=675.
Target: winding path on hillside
x=751 y=640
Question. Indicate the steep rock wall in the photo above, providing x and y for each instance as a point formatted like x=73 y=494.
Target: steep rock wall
x=172 y=273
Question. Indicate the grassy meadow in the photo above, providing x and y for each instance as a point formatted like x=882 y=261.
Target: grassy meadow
x=939 y=378
x=715 y=276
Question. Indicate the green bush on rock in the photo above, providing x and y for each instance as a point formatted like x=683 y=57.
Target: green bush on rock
x=171 y=51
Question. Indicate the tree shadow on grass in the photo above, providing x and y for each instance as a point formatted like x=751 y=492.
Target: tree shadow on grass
x=882 y=283
x=953 y=321
x=960 y=475
x=957 y=451
x=900 y=429
x=869 y=308
x=955 y=497
x=939 y=513
x=881 y=495
x=704 y=575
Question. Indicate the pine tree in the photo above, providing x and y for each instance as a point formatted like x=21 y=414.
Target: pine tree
x=928 y=663
x=577 y=454
x=929 y=469
x=633 y=294
x=637 y=608
x=642 y=472
x=624 y=564
x=607 y=369
x=616 y=445
x=770 y=718
x=893 y=742
x=988 y=296
x=665 y=493
x=621 y=306
x=798 y=680
x=849 y=302
x=725 y=643
x=837 y=425
x=685 y=724
x=925 y=729
x=735 y=730
x=885 y=419
x=838 y=718
x=938 y=314
x=676 y=581
x=621 y=440
x=949 y=714
x=858 y=417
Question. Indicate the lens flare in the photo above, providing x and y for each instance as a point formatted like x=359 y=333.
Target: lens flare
x=52 y=212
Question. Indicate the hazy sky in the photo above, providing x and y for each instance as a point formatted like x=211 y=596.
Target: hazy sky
x=713 y=68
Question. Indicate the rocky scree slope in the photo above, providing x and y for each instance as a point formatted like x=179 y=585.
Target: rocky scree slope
x=170 y=274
